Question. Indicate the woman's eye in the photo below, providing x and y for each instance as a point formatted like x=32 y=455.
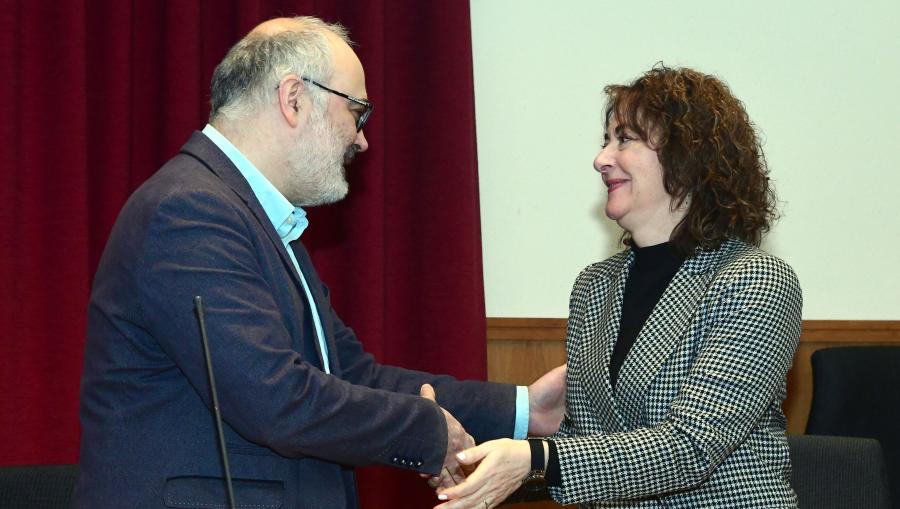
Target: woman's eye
x=623 y=138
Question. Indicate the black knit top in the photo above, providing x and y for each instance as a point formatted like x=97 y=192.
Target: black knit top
x=649 y=276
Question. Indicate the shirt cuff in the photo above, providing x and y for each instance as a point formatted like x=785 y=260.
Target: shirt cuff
x=521 y=430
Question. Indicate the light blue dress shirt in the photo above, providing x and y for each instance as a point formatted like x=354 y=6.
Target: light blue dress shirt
x=290 y=221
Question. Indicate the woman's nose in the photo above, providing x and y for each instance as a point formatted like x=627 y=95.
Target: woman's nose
x=602 y=162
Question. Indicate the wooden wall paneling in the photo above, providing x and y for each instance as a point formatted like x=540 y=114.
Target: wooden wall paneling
x=817 y=334
x=522 y=349
x=519 y=351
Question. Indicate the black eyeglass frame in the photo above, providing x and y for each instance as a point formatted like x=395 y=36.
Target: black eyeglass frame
x=363 y=118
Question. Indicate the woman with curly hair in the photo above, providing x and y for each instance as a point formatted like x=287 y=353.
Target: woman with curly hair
x=678 y=346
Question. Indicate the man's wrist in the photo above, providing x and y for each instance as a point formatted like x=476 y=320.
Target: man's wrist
x=523 y=410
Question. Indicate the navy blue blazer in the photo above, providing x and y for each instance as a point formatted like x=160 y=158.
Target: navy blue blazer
x=294 y=433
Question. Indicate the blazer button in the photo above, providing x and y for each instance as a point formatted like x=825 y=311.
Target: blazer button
x=395 y=459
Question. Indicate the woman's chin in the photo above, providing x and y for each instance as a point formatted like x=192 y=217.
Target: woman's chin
x=614 y=213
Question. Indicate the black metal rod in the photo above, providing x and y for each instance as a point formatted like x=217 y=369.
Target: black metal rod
x=198 y=305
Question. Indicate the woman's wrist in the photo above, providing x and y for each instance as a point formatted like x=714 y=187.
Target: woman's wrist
x=546 y=453
x=535 y=480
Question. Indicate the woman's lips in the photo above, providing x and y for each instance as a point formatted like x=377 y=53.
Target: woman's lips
x=613 y=184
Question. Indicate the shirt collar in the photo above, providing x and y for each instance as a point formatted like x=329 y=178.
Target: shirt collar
x=289 y=221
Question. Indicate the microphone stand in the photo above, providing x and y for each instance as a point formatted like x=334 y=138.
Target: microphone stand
x=198 y=306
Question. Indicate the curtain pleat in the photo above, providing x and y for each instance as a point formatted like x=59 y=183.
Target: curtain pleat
x=98 y=94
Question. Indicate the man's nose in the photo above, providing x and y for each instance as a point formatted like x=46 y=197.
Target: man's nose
x=362 y=144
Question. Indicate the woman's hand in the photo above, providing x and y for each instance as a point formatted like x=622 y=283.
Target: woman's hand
x=503 y=465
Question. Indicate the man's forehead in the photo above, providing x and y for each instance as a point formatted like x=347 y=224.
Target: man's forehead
x=348 y=70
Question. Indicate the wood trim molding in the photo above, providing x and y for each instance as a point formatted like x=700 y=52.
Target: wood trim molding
x=850 y=331
x=817 y=331
x=526 y=329
x=522 y=349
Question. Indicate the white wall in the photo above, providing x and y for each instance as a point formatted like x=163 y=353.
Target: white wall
x=820 y=79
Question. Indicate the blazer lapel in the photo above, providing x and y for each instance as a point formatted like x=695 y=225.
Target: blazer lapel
x=204 y=150
x=323 y=304
x=664 y=329
x=601 y=328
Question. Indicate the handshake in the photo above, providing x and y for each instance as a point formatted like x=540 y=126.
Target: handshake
x=468 y=475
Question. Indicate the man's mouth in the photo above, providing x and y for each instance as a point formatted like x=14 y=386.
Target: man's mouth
x=350 y=154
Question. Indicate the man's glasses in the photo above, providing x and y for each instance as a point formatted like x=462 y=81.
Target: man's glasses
x=363 y=118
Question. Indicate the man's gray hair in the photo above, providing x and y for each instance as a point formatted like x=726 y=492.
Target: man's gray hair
x=246 y=79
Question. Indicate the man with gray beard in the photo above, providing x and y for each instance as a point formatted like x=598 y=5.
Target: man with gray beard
x=301 y=401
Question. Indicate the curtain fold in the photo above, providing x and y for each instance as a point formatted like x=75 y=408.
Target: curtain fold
x=100 y=93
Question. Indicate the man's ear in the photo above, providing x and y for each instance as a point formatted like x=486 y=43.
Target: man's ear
x=290 y=93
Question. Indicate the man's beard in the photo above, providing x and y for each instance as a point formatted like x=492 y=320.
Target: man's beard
x=317 y=175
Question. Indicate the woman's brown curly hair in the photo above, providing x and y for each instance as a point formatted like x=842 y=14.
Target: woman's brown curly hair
x=710 y=153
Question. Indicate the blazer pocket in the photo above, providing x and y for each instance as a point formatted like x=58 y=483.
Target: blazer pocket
x=191 y=492
x=246 y=449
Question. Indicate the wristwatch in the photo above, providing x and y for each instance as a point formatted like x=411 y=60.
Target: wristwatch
x=535 y=480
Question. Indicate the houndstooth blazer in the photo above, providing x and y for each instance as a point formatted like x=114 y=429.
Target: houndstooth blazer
x=695 y=420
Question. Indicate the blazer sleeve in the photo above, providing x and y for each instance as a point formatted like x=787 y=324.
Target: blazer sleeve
x=743 y=358
x=199 y=243
x=485 y=409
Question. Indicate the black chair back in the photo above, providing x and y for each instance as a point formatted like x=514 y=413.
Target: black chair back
x=856 y=393
x=37 y=486
x=838 y=472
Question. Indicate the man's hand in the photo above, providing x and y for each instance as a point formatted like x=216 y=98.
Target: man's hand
x=547 y=402
x=457 y=440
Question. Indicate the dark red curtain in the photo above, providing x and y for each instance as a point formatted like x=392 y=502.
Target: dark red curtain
x=97 y=94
